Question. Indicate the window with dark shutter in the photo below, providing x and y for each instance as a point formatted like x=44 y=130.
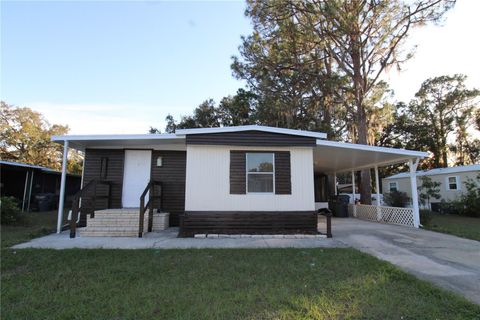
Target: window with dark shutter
x=281 y=172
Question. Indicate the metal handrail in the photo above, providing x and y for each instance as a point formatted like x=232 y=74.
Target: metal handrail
x=80 y=194
x=149 y=205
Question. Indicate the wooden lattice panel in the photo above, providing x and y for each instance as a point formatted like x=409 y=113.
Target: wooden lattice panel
x=394 y=215
x=367 y=212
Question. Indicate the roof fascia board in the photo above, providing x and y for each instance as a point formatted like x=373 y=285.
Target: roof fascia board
x=303 y=133
x=363 y=147
x=116 y=137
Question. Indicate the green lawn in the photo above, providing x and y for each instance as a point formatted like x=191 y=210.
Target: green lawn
x=465 y=227
x=31 y=225
x=214 y=284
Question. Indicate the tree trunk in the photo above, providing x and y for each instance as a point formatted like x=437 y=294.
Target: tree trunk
x=361 y=116
x=365 y=175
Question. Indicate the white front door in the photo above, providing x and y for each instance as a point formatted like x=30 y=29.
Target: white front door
x=136 y=175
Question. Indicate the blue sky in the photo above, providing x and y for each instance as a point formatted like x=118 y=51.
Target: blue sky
x=119 y=67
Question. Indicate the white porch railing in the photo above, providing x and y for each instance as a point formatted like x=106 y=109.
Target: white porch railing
x=392 y=215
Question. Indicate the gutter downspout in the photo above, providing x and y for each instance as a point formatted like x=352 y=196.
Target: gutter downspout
x=62 y=187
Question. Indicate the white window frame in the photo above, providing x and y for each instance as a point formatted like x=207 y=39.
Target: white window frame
x=272 y=173
x=390 y=186
x=457 y=182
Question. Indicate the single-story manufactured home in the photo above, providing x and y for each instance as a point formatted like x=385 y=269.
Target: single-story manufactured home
x=452 y=181
x=244 y=179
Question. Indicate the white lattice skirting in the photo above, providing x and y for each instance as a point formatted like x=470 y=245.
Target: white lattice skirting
x=393 y=215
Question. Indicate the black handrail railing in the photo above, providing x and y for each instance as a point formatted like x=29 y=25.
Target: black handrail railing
x=150 y=188
x=80 y=194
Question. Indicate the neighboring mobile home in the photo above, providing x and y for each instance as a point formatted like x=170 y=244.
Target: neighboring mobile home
x=452 y=181
x=231 y=179
x=25 y=181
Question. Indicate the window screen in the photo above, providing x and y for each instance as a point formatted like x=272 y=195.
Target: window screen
x=260 y=172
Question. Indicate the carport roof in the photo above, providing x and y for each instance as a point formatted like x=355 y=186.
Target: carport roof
x=332 y=156
x=120 y=141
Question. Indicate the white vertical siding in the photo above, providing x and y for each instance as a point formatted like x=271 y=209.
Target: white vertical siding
x=208 y=182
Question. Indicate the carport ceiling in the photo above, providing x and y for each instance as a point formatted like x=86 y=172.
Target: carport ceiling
x=331 y=156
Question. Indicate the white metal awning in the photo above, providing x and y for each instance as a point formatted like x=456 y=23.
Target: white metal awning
x=332 y=156
x=123 y=141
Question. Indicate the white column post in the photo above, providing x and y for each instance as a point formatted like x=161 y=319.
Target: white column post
x=353 y=194
x=353 y=186
x=30 y=191
x=377 y=187
x=335 y=182
x=413 y=184
x=25 y=190
x=62 y=186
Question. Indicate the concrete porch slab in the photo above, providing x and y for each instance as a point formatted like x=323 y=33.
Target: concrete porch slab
x=167 y=239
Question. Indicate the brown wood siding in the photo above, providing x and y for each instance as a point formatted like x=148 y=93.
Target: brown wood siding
x=243 y=222
x=238 y=184
x=283 y=175
x=251 y=138
x=92 y=168
x=172 y=175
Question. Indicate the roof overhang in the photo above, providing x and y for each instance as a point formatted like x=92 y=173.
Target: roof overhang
x=123 y=141
x=337 y=157
x=303 y=133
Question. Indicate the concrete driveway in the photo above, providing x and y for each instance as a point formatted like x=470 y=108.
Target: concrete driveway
x=448 y=261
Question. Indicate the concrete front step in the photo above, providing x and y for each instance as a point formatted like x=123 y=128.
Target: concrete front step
x=117 y=225
x=120 y=223
x=119 y=211
x=111 y=228
x=86 y=233
x=114 y=223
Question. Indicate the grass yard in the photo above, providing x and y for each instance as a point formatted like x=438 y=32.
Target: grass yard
x=465 y=227
x=32 y=225
x=213 y=284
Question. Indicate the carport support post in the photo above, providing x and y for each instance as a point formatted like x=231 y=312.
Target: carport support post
x=353 y=194
x=377 y=187
x=62 y=186
x=335 y=183
x=413 y=184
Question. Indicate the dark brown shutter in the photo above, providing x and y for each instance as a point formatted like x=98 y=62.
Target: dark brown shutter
x=238 y=184
x=283 y=183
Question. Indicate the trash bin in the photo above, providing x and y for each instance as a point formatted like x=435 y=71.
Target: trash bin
x=339 y=205
x=45 y=201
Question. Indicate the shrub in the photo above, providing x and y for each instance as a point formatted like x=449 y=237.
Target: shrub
x=396 y=199
x=428 y=190
x=10 y=212
x=468 y=203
